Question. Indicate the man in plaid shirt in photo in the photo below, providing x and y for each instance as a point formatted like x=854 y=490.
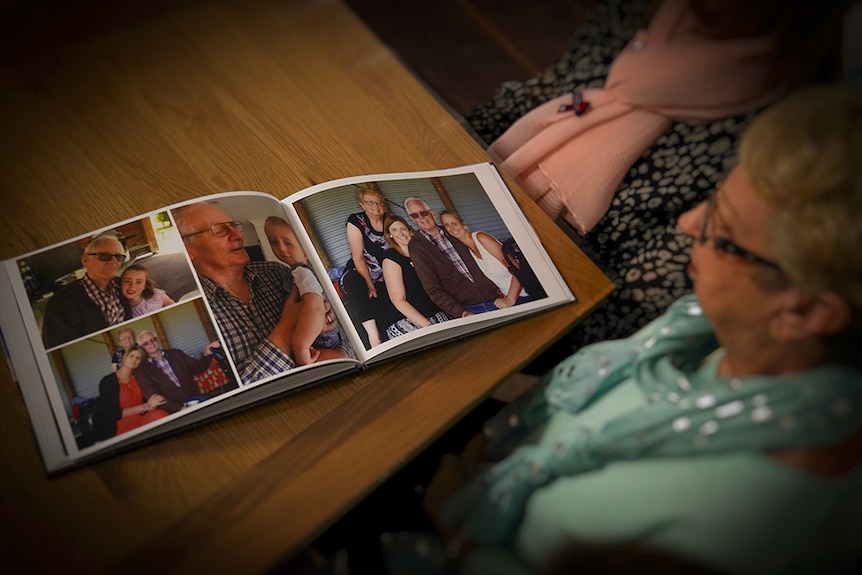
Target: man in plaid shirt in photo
x=92 y=302
x=255 y=304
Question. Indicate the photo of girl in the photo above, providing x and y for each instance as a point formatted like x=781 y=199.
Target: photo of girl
x=140 y=290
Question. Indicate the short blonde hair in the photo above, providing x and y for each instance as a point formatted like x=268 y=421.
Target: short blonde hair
x=128 y=330
x=804 y=156
x=362 y=192
x=276 y=220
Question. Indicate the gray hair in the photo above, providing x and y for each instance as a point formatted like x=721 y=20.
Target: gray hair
x=415 y=199
x=103 y=238
x=180 y=219
x=150 y=332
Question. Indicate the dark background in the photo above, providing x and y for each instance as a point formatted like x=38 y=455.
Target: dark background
x=461 y=49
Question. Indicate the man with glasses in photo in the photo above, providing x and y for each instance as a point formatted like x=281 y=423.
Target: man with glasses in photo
x=445 y=267
x=93 y=302
x=170 y=372
x=255 y=303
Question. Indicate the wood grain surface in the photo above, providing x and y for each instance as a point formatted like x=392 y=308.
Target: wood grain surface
x=211 y=96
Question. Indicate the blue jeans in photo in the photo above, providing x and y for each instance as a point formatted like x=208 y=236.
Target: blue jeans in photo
x=481 y=307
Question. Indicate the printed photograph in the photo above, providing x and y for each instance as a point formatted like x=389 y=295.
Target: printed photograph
x=131 y=376
x=269 y=305
x=85 y=286
x=405 y=254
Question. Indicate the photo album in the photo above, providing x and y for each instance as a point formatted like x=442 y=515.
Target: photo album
x=153 y=324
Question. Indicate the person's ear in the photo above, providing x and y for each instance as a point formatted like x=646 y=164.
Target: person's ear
x=825 y=314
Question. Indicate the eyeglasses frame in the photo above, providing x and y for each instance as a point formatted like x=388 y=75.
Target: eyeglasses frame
x=107 y=256
x=420 y=214
x=727 y=246
x=232 y=224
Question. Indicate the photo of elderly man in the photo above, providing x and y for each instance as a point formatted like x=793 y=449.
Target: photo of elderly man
x=448 y=272
x=93 y=302
x=170 y=372
x=255 y=303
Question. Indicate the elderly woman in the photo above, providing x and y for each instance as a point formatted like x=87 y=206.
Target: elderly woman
x=362 y=281
x=728 y=432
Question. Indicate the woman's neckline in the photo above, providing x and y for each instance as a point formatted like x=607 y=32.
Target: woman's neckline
x=714 y=357
x=371 y=224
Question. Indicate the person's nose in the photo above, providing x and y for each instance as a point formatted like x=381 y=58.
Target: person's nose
x=689 y=221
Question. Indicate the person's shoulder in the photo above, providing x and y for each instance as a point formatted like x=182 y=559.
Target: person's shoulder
x=419 y=243
x=267 y=267
x=269 y=275
x=303 y=272
x=67 y=299
x=71 y=290
x=419 y=238
x=486 y=239
x=264 y=265
x=395 y=256
x=686 y=306
x=145 y=366
x=173 y=351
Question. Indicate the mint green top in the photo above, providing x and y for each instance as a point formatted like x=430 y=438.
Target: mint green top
x=639 y=441
x=739 y=511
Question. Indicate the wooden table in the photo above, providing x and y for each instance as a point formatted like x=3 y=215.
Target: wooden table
x=206 y=97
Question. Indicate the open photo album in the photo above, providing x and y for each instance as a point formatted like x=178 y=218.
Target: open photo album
x=153 y=324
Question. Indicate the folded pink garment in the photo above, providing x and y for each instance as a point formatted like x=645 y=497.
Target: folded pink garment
x=572 y=165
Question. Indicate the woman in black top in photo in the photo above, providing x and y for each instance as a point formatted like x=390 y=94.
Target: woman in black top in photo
x=362 y=283
x=405 y=289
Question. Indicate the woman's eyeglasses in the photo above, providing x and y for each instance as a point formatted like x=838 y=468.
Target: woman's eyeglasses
x=373 y=203
x=422 y=214
x=106 y=257
x=727 y=246
x=218 y=230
